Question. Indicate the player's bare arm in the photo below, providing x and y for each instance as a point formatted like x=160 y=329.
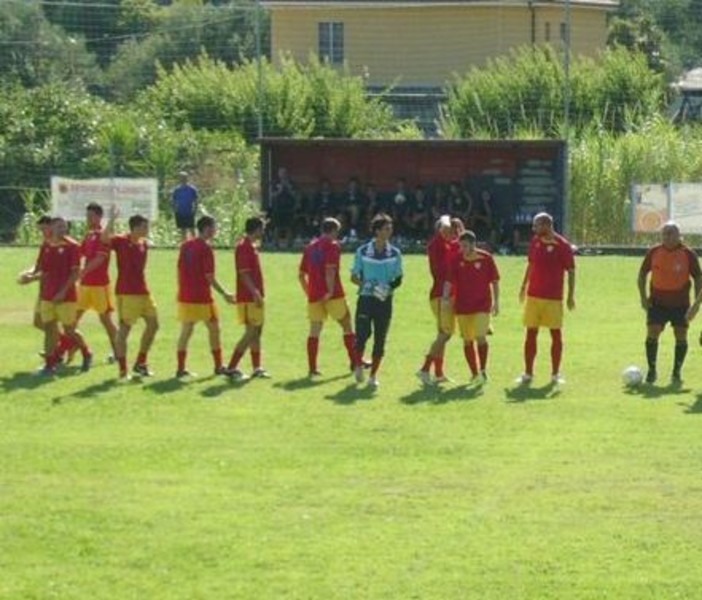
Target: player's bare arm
x=109 y=229
x=495 y=298
x=329 y=279
x=72 y=280
x=645 y=302
x=571 y=289
x=212 y=280
x=251 y=286
x=525 y=280
x=302 y=278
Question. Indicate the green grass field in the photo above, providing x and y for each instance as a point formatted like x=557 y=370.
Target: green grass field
x=291 y=489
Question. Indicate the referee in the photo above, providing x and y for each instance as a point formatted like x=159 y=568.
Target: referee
x=377 y=271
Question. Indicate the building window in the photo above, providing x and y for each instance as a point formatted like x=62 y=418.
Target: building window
x=547 y=32
x=331 y=42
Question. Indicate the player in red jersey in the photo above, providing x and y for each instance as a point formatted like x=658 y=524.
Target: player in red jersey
x=319 y=278
x=196 y=278
x=473 y=281
x=60 y=266
x=134 y=300
x=439 y=250
x=94 y=288
x=34 y=273
x=550 y=258
x=250 y=296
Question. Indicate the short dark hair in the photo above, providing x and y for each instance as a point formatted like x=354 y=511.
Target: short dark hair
x=253 y=224
x=330 y=224
x=96 y=208
x=137 y=221
x=44 y=220
x=468 y=236
x=379 y=221
x=205 y=222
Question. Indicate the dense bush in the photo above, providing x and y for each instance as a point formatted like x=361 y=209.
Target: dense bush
x=525 y=90
x=314 y=100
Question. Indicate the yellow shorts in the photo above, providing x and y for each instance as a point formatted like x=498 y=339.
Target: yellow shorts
x=131 y=308
x=336 y=308
x=63 y=312
x=250 y=314
x=193 y=313
x=443 y=313
x=473 y=326
x=539 y=312
x=95 y=297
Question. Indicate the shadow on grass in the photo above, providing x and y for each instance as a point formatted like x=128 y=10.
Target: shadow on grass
x=224 y=386
x=351 y=394
x=436 y=395
x=527 y=393
x=653 y=392
x=695 y=408
x=306 y=383
x=92 y=392
x=25 y=380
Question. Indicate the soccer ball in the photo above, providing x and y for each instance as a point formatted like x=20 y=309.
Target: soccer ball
x=632 y=376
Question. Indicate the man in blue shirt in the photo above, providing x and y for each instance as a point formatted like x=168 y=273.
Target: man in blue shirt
x=377 y=271
x=184 y=200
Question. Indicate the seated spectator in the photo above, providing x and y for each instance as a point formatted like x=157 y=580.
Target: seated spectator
x=353 y=206
x=283 y=204
x=325 y=203
x=375 y=203
x=439 y=205
x=418 y=214
x=460 y=202
x=400 y=204
x=481 y=218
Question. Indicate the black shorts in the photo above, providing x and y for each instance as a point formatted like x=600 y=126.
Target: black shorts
x=185 y=221
x=660 y=315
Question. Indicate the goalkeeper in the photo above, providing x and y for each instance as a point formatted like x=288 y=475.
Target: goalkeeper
x=377 y=270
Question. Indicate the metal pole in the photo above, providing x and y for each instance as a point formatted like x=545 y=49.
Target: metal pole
x=257 y=25
x=566 y=118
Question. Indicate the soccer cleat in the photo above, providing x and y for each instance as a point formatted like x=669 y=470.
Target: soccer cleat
x=484 y=376
x=366 y=364
x=142 y=370
x=183 y=373
x=443 y=379
x=236 y=375
x=110 y=360
x=524 y=379
x=46 y=371
x=124 y=378
x=358 y=374
x=314 y=373
x=260 y=373
x=676 y=378
x=87 y=363
x=424 y=377
x=373 y=382
x=558 y=379
x=651 y=376
x=221 y=371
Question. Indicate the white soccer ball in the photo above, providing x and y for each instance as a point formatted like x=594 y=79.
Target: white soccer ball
x=632 y=376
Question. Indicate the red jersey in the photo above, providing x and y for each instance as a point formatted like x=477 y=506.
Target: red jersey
x=471 y=281
x=131 y=263
x=58 y=262
x=672 y=270
x=91 y=247
x=246 y=261
x=320 y=254
x=195 y=262
x=548 y=262
x=439 y=251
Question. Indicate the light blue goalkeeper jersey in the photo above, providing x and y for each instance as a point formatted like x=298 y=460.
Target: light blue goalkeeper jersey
x=377 y=268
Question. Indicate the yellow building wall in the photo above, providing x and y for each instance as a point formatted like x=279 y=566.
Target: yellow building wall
x=427 y=45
